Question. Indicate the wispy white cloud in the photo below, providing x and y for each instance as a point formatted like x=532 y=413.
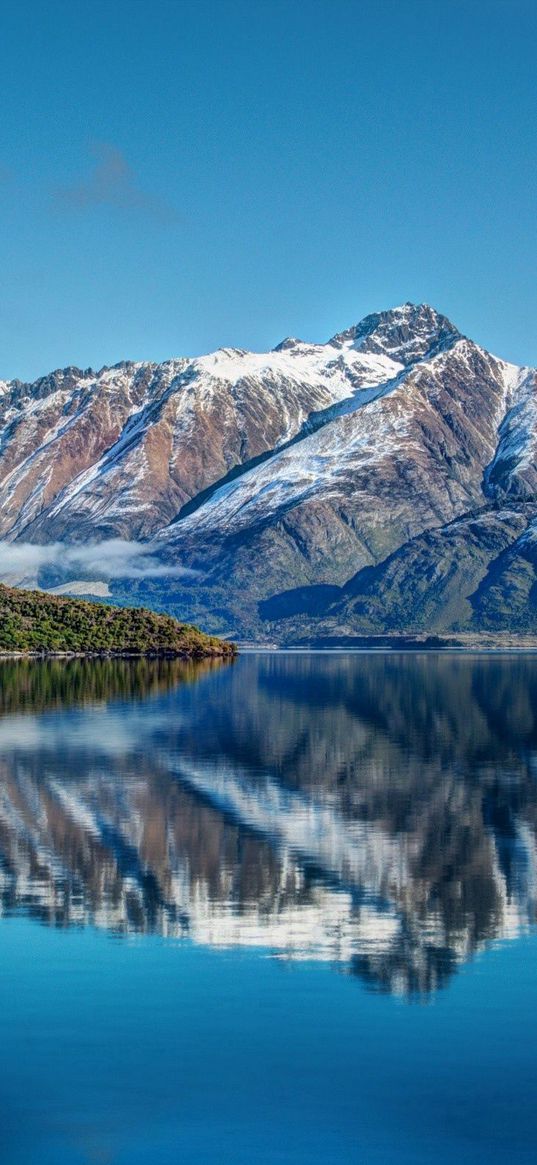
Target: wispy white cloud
x=114 y=558
x=111 y=181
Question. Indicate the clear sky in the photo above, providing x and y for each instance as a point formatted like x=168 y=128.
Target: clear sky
x=176 y=175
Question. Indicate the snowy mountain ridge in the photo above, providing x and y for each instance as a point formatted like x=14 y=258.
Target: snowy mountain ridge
x=267 y=472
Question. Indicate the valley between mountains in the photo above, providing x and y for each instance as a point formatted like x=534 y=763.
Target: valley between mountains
x=384 y=482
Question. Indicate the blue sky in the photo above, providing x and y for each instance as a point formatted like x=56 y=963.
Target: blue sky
x=175 y=176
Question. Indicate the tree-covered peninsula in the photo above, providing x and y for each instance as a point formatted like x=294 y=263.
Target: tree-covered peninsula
x=33 y=622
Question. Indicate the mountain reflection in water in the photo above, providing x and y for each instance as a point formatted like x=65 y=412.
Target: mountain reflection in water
x=375 y=811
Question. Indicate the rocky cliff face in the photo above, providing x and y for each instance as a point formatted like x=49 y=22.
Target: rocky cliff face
x=394 y=465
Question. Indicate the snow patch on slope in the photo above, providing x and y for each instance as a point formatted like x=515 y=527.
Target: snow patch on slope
x=517 y=434
x=356 y=432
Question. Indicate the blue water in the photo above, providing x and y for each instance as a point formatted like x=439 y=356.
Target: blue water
x=276 y=912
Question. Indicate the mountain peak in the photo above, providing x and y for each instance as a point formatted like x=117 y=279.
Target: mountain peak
x=288 y=345
x=406 y=333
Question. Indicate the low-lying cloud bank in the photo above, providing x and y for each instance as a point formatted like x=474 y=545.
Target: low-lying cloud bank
x=114 y=558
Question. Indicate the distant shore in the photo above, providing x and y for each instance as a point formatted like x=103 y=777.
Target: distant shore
x=459 y=643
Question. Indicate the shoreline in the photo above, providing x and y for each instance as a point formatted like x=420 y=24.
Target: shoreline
x=186 y=655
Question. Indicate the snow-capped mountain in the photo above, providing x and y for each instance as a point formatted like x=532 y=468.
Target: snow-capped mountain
x=274 y=473
x=122 y=450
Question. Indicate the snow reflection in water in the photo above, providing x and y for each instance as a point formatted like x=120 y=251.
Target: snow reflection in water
x=378 y=812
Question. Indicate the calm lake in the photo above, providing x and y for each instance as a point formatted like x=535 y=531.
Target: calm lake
x=276 y=911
